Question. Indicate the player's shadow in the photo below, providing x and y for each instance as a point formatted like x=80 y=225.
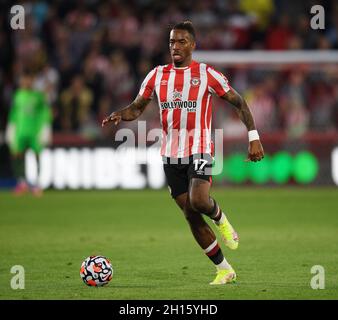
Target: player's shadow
x=132 y=286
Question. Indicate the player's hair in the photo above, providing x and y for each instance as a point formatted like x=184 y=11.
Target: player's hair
x=185 y=25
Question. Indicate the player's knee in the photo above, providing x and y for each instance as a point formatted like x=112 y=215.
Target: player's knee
x=200 y=204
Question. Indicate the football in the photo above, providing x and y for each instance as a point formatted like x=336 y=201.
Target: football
x=96 y=271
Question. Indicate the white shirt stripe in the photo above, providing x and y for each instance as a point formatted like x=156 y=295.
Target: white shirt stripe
x=201 y=91
x=157 y=87
x=158 y=80
x=222 y=80
x=207 y=129
x=184 y=115
x=170 y=90
x=145 y=81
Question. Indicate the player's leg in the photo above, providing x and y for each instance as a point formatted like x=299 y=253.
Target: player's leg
x=206 y=238
x=17 y=147
x=19 y=173
x=200 y=200
x=201 y=231
x=178 y=183
x=37 y=147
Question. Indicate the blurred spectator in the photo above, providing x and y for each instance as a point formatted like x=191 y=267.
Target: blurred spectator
x=309 y=39
x=335 y=107
x=240 y=26
x=118 y=79
x=27 y=45
x=321 y=106
x=203 y=15
x=94 y=67
x=80 y=24
x=323 y=43
x=279 y=34
x=297 y=119
x=262 y=105
x=47 y=81
x=332 y=32
x=260 y=10
x=233 y=127
x=75 y=103
x=114 y=44
x=293 y=103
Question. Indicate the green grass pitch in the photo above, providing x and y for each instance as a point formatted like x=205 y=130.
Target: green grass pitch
x=283 y=232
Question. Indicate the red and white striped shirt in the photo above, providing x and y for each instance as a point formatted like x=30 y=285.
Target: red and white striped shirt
x=184 y=98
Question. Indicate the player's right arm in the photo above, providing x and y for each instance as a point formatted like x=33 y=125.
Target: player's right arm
x=12 y=119
x=129 y=113
x=136 y=108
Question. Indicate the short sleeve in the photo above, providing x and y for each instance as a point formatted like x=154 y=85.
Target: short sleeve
x=217 y=82
x=148 y=85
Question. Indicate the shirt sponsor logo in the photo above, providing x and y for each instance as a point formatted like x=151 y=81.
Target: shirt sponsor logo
x=189 y=106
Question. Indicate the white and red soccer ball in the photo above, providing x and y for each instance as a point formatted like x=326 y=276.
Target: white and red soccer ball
x=96 y=271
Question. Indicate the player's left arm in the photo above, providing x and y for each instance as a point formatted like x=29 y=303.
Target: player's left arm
x=255 y=151
x=44 y=125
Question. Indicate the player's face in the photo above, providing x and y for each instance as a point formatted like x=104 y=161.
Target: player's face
x=26 y=81
x=181 y=45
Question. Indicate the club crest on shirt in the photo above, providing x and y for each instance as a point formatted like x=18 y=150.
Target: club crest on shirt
x=195 y=82
x=177 y=95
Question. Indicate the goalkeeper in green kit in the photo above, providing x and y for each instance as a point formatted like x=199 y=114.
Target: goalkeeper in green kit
x=29 y=127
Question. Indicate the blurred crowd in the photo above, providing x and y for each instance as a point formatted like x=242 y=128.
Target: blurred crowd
x=90 y=57
x=294 y=100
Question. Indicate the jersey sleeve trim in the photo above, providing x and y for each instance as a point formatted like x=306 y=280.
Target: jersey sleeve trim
x=148 y=85
x=218 y=83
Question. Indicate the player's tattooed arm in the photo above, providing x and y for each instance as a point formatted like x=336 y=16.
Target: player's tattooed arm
x=242 y=109
x=135 y=109
x=255 y=151
x=129 y=113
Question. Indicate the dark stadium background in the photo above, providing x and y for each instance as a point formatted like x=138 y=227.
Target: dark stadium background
x=105 y=49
